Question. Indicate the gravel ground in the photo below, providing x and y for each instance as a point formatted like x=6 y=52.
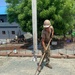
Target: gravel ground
x=25 y=66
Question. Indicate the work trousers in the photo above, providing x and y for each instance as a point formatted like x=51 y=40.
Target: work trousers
x=47 y=55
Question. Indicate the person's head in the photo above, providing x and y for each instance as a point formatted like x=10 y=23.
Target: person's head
x=46 y=24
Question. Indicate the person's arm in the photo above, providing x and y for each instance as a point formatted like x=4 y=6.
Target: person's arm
x=52 y=31
x=43 y=44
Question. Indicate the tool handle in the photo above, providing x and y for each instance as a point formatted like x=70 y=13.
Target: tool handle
x=48 y=43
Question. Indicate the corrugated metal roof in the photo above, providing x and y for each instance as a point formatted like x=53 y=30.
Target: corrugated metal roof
x=3 y=10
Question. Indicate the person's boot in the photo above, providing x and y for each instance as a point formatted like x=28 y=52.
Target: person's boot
x=49 y=66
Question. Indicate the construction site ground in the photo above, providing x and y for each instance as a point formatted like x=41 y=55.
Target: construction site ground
x=22 y=62
x=26 y=66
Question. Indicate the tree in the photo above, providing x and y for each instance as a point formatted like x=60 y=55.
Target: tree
x=20 y=11
x=59 y=12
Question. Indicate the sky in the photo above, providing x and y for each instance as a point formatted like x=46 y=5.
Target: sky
x=2 y=3
x=2 y=7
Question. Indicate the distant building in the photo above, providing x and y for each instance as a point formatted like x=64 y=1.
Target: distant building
x=7 y=30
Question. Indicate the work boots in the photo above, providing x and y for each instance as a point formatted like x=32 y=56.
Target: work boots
x=49 y=66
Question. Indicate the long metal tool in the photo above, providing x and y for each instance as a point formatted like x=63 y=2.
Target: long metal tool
x=41 y=59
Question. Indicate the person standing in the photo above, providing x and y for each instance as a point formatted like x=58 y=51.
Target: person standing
x=46 y=35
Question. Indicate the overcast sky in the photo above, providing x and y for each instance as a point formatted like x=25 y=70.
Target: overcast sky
x=2 y=3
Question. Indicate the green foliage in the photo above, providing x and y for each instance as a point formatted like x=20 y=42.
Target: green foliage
x=73 y=33
x=59 y=12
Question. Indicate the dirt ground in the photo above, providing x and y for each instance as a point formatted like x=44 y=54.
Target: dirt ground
x=25 y=46
x=11 y=46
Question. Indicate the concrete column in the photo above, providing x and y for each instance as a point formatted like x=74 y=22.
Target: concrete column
x=34 y=24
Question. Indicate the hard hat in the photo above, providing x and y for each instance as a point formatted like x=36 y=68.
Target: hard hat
x=46 y=23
